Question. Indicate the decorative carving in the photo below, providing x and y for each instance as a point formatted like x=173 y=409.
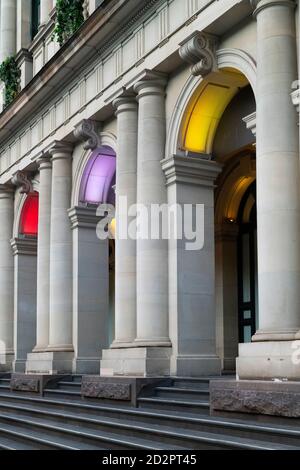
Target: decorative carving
x=86 y=131
x=200 y=51
x=21 y=180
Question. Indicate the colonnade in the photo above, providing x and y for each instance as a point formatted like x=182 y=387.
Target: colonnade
x=165 y=294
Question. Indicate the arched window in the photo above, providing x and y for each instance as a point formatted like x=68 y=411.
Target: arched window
x=99 y=178
x=30 y=215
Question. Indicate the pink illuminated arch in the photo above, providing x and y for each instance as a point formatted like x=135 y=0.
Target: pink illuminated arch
x=99 y=177
x=30 y=215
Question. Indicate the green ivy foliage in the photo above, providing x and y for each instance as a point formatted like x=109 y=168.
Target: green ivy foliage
x=69 y=17
x=10 y=74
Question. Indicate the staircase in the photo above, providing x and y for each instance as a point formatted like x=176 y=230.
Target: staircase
x=175 y=417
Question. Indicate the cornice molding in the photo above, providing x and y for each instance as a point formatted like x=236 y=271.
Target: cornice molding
x=190 y=170
x=24 y=246
x=250 y=122
x=83 y=216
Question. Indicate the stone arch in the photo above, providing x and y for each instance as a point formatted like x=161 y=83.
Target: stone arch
x=108 y=140
x=227 y=59
x=232 y=185
x=19 y=203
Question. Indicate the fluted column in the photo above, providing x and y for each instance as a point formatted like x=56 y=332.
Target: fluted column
x=6 y=278
x=45 y=8
x=43 y=256
x=8 y=29
x=152 y=254
x=60 y=302
x=126 y=184
x=278 y=198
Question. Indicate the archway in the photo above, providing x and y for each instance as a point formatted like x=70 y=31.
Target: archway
x=29 y=216
x=24 y=247
x=212 y=129
x=93 y=261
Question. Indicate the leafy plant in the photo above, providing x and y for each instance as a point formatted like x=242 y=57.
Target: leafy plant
x=69 y=17
x=10 y=74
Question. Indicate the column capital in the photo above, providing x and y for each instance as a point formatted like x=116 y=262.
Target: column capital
x=44 y=162
x=24 y=246
x=81 y=216
x=190 y=170
x=199 y=50
x=152 y=83
x=259 y=5
x=125 y=103
x=88 y=131
x=6 y=191
x=60 y=149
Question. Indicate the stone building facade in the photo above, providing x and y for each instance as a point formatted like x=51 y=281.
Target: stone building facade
x=162 y=102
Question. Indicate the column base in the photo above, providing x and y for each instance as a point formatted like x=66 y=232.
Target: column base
x=86 y=365
x=195 y=366
x=269 y=360
x=52 y=363
x=6 y=362
x=19 y=365
x=142 y=362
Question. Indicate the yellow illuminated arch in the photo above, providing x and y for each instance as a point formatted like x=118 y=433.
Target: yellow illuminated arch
x=206 y=108
x=204 y=116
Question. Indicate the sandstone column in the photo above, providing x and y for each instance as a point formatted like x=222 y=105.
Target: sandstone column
x=152 y=254
x=6 y=278
x=125 y=274
x=57 y=356
x=45 y=8
x=90 y=290
x=25 y=282
x=192 y=305
x=278 y=199
x=60 y=305
x=8 y=29
x=43 y=257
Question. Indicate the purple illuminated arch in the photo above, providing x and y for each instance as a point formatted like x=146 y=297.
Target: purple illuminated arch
x=99 y=177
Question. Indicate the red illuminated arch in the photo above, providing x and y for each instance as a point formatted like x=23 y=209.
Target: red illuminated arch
x=30 y=215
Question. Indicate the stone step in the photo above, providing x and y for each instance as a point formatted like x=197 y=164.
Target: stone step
x=182 y=393
x=24 y=439
x=96 y=438
x=277 y=435
x=5 y=386
x=64 y=393
x=66 y=385
x=188 y=406
x=200 y=383
x=170 y=437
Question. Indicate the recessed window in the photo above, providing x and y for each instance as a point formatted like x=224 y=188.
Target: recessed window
x=35 y=17
x=30 y=216
x=99 y=178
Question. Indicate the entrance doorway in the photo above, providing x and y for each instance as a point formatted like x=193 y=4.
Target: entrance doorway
x=247 y=266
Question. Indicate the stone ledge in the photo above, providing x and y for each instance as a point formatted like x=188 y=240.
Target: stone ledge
x=255 y=397
x=33 y=383
x=125 y=389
